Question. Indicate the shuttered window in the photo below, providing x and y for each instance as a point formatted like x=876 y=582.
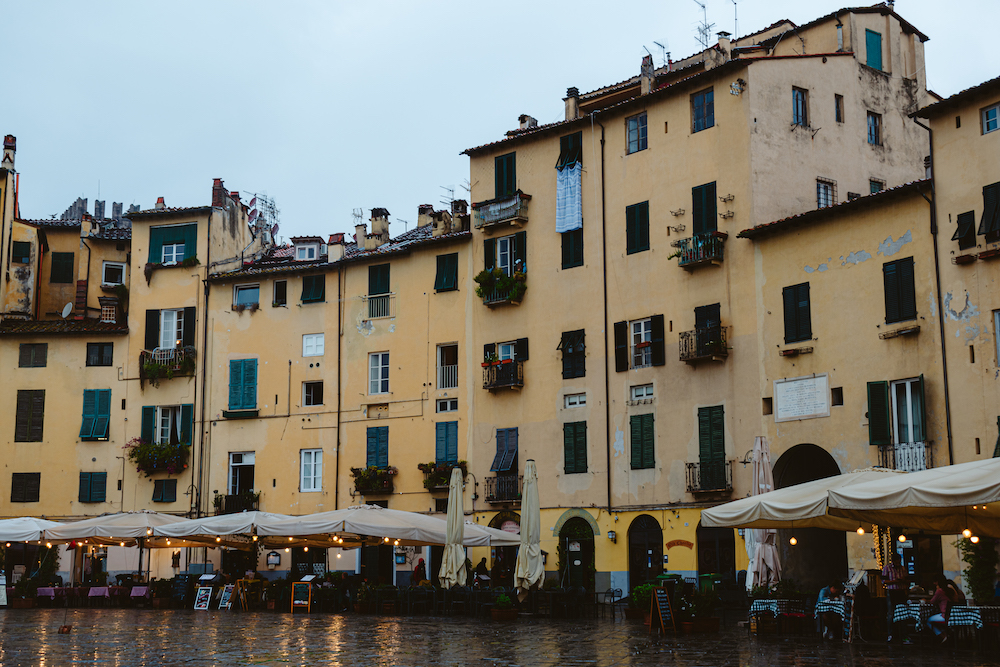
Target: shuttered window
x=965 y=231
x=574 y=357
x=446 y=443
x=96 y=414
x=704 y=211
x=447 y=272
x=575 y=447
x=642 y=441
x=24 y=487
x=506 y=175
x=378 y=279
x=100 y=354
x=32 y=355
x=636 y=133
x=378 y=446
x=30 y=415
x=702 y=110
x=712 y=447
x=637 y=227
x=798 y=323
x=164 y=490
x=181 y=242
x=242 y=384
x=62 y=267
x=93 y=487
x=21 y=253
x=313 y=288
x=989 y=226
x=873 y=49
x=900 y=298
x=570 y=150
x=879 y=417
x=572 y=248
x=506 y=456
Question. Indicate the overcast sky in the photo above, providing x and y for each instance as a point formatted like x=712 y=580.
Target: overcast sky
x=333 y=106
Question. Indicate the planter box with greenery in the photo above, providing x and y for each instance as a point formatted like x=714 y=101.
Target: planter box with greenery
x=373 y=479
x=150 y=457
x=503 y=609
x=496 y=287
x=437 y=476
x=165 y=364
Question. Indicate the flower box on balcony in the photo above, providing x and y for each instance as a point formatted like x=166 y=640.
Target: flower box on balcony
x=964 y=259
x=150 y=457
x=373 y=480
x=437 y=476
x=988 y=254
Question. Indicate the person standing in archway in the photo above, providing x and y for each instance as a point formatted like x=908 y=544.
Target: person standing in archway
x=896 y=581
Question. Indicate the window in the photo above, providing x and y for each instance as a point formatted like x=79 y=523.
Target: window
x=642 y=392
x=965 y=232
x=246 y=295
x=311 y=471
x=172 y=244
x=506 y=175
x=164 y=490
x=570 y=150
x=447 y=405
x=837 y=396
x=167 y=424
x=173 y=253
x=241 y=472
x=712 y=448
x=704 y=209
x=378 y=446
x=100 y=354
x=312 y=393
x=62 y=267
x=798 y=322
x=242 y=384
x=636 y=133
x=447 y=273
x=574 y=354
x=312 y=345
x=24 y=487
x=378 y=279
x=799 y=112
x=96 y=414
x=637 y=227
x=900 y=299
x=874 y=128
x=30 y=415
x=990 y=223
x=642 y=333
x=702 y=110
x=572 y=248
x=642 y=441
x=378 y=377
x=305 y=253
x=990 y=119
x=575 y=447
x=313 y=288
x=171 y=328
x=826 y=193
x=639 y=343
x=21 y=252
x=447 y=366
x=507 y=253
x=446 y=443
x=873 y=49
x=113 y=273
x=93 y=486
x=875 y=185
x=109 y=312
x=575 y=400
x=507 y=350
x=896 y=413
x=32 y=355
x=280 y=293
x=506 y=456
x=838 y=108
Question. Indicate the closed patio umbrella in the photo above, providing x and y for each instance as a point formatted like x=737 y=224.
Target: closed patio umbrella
x=529 y=569
x=24 y=529
x=765 y=566
x=452 y=572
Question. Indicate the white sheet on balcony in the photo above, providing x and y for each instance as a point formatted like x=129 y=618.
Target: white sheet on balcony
x=569 y=202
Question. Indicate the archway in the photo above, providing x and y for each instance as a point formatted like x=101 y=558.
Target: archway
x=645 y=550
x=576 y=553
x=504 y=559
x=716 y=552
x=819 y=556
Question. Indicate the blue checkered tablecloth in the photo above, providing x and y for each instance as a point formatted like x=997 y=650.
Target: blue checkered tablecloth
x=776 y=607
x=959 y=615
x=840 y=607
x=965 y=616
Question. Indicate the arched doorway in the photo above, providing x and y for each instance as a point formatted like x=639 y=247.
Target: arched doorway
x=717 y=552
x=576 y=554
x=504 y=559
x=645 y=550
x=819 y=556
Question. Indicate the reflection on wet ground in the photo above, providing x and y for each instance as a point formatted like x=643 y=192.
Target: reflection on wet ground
x=119 y=637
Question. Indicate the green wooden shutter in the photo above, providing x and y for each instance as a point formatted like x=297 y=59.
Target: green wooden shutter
x=89 y=413
x=907 y=293
x=169 y=490
x=921 y=414
x=521 y=349
x=803 y=322
x=235 y=384
x=158 y=490
x=187 y=423
x=717 y=461
x=643 y=225
x=621 y=347
x=510 y=454
x=37 y=415
x=873 y=49
x=569 y=448
x=630 y=230
x=891 y=280
x=190 y=317
x=62 y=267
x=23 y=416
x=879 y=416
x=704 y=436
x=581 y=447
x=378 y=279
x=489 y=350
x=155 y=246
x=501 y=438
x=249 y=384
x=440 y=280
x=711 y=208
x=697 y=210
x=520 y=251
x=98 y=486
x=152 y=329
x=148 y=423
x=452 y=445
x=489 y=253
x=789 y=302
x=372 y=447
x=189 y=235
x=440 y=443
x=447 y=272
x=24 y=355
x=103 y=421
x=648 y=442
x=990 y=221
x=383 y=447
x=635 y=434
x=656 y=345
x=84 y=495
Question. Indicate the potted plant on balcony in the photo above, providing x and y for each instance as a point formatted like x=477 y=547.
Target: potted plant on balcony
x=373 y=479
x=495 y=282
x=503 y=609
x=150 y=457
x=438 y=475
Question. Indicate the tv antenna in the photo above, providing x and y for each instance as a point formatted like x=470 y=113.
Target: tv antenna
x=664 y=54
x=449 y=192
x=736 y=21
x=704 y=28
x=406 y=224
x=359 y=215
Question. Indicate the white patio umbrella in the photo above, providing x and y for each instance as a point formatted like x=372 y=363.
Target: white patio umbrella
x=529 y=569
x=452 y=572
x=24 y=529
x=765 y=566
x=119 y=529
x=228 y=530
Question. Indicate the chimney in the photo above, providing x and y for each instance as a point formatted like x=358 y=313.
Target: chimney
x=360 y=231
x=527 y=122
x=335 y=248
x=235 y=194
x=459 y=207
x=424 y=212
x=646 y=75
x=98 y=209
x=380 y=226
x=442 y=223
x=116 y=211
x=218 y=193
x=9 y=148
x=725 y=45
x=572 y=101
x=159 y=204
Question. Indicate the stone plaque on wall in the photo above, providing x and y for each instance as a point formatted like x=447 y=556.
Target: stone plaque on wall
x=801 y=398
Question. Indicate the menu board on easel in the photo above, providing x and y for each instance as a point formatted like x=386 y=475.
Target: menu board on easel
x=203 y=598
x=226 y=601
x=301 y=596
x=660 y=612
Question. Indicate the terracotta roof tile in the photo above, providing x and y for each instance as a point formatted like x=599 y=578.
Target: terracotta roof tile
x=53 y=224
x=169 y=211
x=113 y=234
x=60 y=327
x=993 y=85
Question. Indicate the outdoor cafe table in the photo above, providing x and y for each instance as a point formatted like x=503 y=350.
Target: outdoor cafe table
x=50 y=592
x=839 y=607
x=776 y=607
x=140 y=592
x=958 y=616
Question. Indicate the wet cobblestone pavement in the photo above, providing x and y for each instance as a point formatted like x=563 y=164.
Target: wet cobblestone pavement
x=120 y=637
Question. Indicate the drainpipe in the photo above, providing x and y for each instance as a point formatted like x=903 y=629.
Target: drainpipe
x=89 y=254
x=336 y=469
x=604 y=275
x=937 y=279
x=204 y=370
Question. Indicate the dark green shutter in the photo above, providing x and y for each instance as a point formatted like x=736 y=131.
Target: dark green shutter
x=797 y=316
x=235 y=384
x=572 y=249
x=637 y=228
x=891 y=279
x=657 y=347
x=155 y=246
x=22 y=252
x=62 y=267
x=451 y=449
x=630 y=230
x=383 y=447
x=521 y=349
x=98 y=486
x=189 y=235
x=643 y=226
x=30 y=415
x=711 y=447
x=148 y=423
x=190 y=316
x=372 y=447
x=873 y=49
x=84 y=495
x=25 y=355
x=704 y=209
x=789 y=302
x=447 y=272
x=506 y=175
x=569 y=448
x=187 y=423
x=378 y=279
x=103 y=421
x=621 y=346
x=89 y=413
x=249 y=384
x=635 y=427
x=510 y=453
x=879 y=416
x=152 y=329
x=907 y=294
x=489 y=253
x=581 y=447
x=990 y=222
x=313 y=288
x=965 y=232
x=648 y=442
x=440 y=443
x=489 y=350
x=169 y=490
x=501 y=438
x=520 y=251
x=921 y=417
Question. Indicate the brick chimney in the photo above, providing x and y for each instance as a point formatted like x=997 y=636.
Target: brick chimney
x=572 y=101
x=442 y=223
x=160 y=205
x=646 y=75
x=218 y=193
x=459 y=207
x=9 y=148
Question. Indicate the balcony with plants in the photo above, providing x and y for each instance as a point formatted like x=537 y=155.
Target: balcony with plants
x=165 y=363
x=503 y=374
x=700 y=250
x=373 y=480
x=506 y=210
x=151 y=457
x=496 y=288
x=704 y=344
x=437 y=476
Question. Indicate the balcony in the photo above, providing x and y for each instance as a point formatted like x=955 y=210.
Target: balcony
x=247 y=501
x=437 y=476
x=380 y=306
x=165 y=362
x=372 y=480
x=447 y=377
x=906 y=456
x=710 y=478
x=700 y=250
x=506 y=374
x=504 y=488
x=704 y=344
x=508 y=210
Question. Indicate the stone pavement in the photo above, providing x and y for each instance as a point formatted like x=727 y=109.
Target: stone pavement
x=124 y=637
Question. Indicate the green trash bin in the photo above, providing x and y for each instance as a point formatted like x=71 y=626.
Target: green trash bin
x=707 y=582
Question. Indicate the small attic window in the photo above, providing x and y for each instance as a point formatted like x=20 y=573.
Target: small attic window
x=306 y=252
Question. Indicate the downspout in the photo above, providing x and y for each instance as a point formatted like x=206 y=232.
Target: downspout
x=204 y=370
x=607 y=376
x=336 y=468
x=90 y=252
x=937 y=279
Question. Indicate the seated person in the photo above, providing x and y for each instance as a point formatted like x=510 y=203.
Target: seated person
x=829 y=622
x=957 y=596
x=941 y=601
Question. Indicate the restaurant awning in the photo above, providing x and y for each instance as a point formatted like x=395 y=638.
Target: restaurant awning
x=122 y=528
x=24 y=529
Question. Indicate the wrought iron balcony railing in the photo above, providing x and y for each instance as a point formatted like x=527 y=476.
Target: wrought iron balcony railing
x=507 y=374
x=504 y=488
x=706 y=343
x=511 y=209
x=380 y=306
x=708 y=478
x=237 y=502
x=701 y=249
x=908 y=456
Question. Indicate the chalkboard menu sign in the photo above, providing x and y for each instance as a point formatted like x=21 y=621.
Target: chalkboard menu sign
x=660 y=612
x=180 y=588
x=301 y=596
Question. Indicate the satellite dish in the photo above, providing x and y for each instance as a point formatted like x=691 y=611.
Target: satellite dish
x=67 y=309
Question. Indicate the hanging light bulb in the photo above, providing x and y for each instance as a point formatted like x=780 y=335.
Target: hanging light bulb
x=386 y=539
x=902 y=537
x=289 y=539
x=861 y=530
x=121 y=544
x=218 y=539
x=338 y=555
x=793 y=541
x=48 y=545
x=974 y=539
x=254 y=538
x=966 y=533
x=8 y=545
x=305 y=548
x=168 y=543
x=396 y=543
x=287 y=550
x=149 y=531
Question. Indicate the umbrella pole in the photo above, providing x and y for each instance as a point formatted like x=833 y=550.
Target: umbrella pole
x=139 y=569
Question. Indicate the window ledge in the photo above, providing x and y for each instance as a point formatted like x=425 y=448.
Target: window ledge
x=794 y=351
x=905 y=331
x=311 y=301
x=989 y=254
x=966 y=259
x=240 y=414
x=639 y=401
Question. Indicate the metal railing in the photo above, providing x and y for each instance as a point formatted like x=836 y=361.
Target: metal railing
x=381 y=483
x=169 y=356
x=503 y=375
x=504 y=488
x=512 y=208
x=238 y=502
x=499 y=296
x=704 y=477
x=908 y=456
x=704 y=343
x=701 y=249
x=447 y=377
x=380 y=305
